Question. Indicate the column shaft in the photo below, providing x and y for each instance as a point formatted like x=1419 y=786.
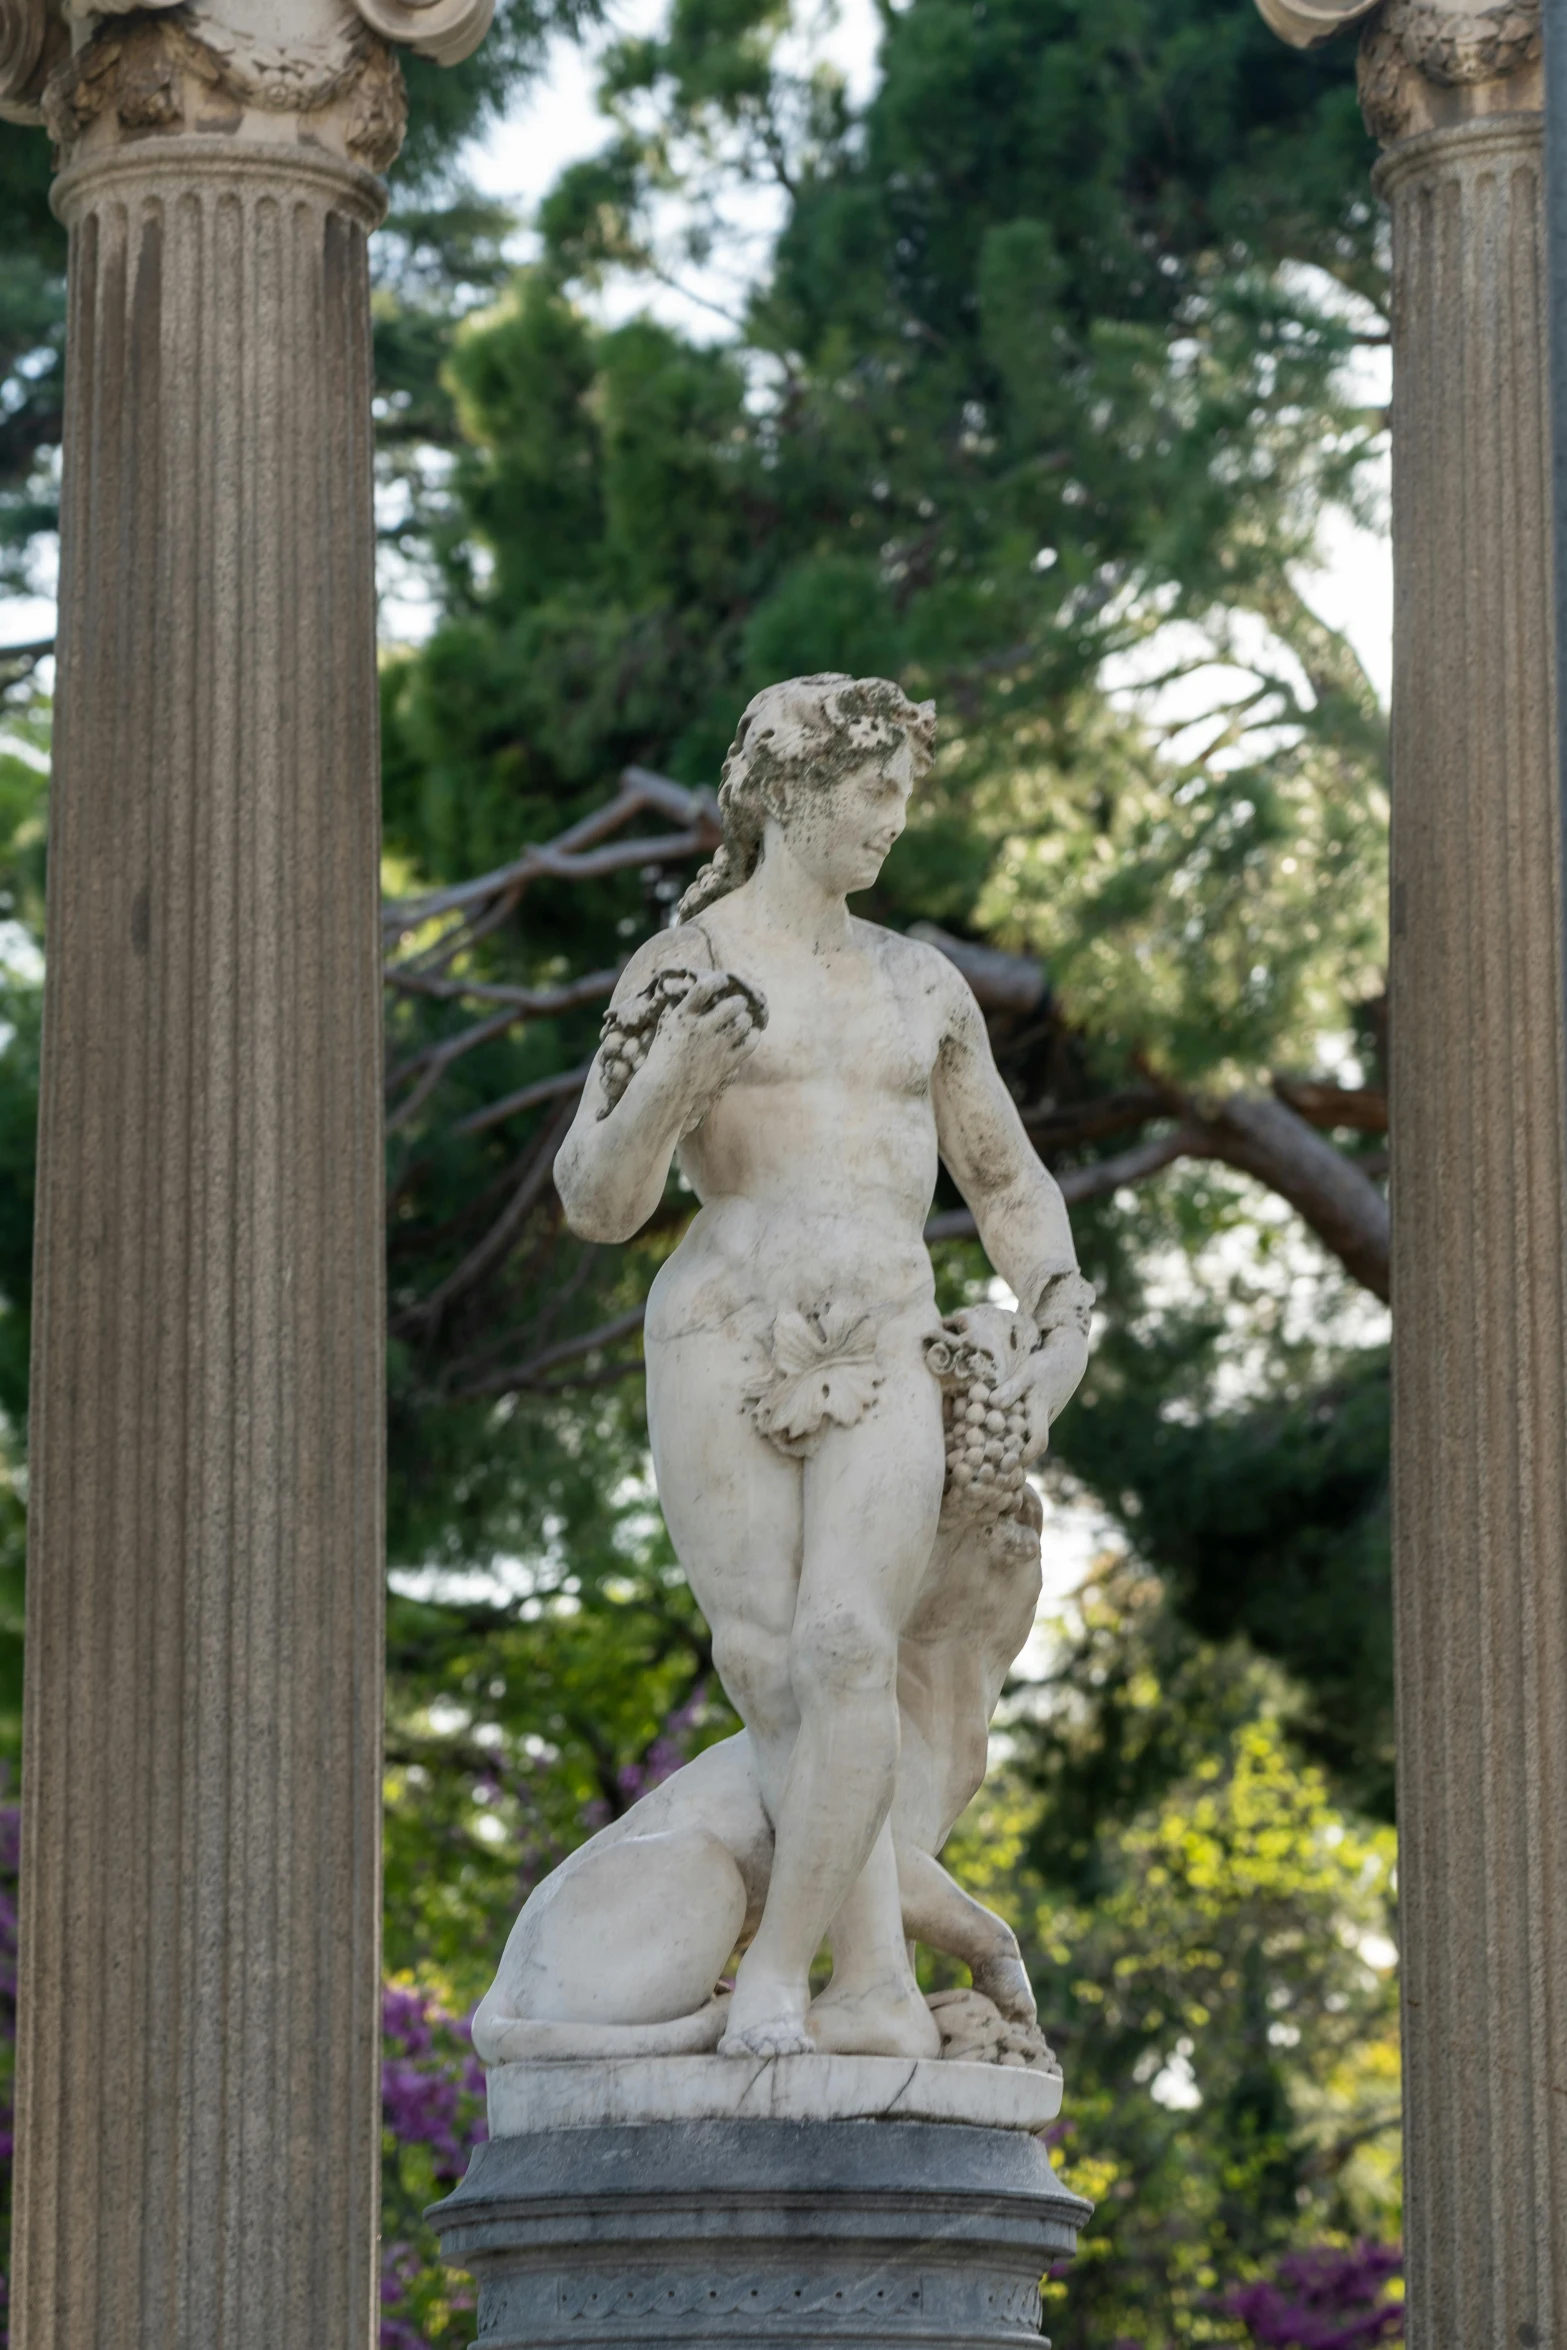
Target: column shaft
x=198 y=2103
x=1479 y=1282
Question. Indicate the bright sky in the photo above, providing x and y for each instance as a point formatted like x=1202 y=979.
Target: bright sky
x=520 y=159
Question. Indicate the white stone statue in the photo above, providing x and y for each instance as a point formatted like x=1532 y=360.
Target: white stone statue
x=843 y=1476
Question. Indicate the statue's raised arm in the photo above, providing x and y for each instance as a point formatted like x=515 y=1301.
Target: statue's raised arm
x=683 y=1036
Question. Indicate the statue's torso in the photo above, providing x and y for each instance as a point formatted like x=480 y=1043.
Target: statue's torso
x=815 y=1167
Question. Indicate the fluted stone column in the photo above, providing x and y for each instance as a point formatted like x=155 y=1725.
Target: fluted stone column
x=1479 y=1230
x=197 y=2105
x=1479 y=1273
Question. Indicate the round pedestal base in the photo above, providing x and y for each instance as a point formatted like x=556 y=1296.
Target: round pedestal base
x=798 y=2234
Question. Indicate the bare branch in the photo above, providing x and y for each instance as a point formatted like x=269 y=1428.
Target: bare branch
x=1084 y=1183
x=1360 y=1108
x=537 y=1171
x=550 y=1358
x=17 y=662
x=527 y=1003
x=583 y=852
x=1065 y=1126
x=695 y=811
x=432 y=1061
x=527 y=1097
x=1328 y=1190
x=1333 y=1194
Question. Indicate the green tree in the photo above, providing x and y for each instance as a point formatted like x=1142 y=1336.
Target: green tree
x=1222 y=1997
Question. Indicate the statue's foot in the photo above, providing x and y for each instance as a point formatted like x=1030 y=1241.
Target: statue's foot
x=766 y=2018
x=881 y=2020
x=1005 y=1982
x=778 y=2038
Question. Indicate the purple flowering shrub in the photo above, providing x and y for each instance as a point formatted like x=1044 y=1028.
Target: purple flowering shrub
x=1324 y=2298
x=432 y=2116
x=669 y=1752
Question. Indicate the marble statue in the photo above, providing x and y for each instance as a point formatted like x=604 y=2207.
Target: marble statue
x=842 y=1473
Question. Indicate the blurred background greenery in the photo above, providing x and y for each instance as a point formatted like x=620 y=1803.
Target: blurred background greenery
x=1059 y=356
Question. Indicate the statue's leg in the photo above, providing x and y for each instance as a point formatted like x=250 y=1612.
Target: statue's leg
x=937 y=1912
x=873 y=2006
x=871 y=1499
x=732 y=1503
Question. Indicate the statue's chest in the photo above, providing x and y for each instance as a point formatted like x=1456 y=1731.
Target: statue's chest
x=861 y=1035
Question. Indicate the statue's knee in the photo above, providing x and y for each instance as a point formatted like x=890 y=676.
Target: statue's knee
x=842 y=1652
x=754 y=1669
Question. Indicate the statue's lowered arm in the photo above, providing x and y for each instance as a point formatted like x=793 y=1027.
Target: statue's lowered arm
x=1018 y=1208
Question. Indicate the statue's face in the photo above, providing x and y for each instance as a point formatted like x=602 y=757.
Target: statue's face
x=841 y=833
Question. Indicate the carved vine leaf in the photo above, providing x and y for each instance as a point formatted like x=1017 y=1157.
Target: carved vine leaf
x=824 y=1367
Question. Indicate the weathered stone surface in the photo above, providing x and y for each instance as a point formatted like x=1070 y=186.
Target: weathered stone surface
x=198 y=2088
x=796 y=2234
x=339 y=93
x=280 y=71
x=574 y=2095
x=198 y=2110
x=1426 y=65
x=1479 y=1248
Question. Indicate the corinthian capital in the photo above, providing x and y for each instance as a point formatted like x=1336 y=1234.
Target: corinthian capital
x=1427 y=63
x=99 y=72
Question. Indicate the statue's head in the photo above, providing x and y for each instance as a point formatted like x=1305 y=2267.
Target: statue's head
x=830 y=761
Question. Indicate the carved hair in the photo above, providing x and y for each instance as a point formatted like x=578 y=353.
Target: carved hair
x=809 y=730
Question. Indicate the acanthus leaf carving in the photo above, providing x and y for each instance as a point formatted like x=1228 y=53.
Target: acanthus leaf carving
x=150 y=72
x=1413 y=49
x=1426 y=63
x=123 y=65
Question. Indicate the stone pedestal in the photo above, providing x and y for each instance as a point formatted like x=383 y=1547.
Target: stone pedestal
x=796 y=2234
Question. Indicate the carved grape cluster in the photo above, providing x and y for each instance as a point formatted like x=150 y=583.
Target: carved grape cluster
x=974 y=2031
x=628 y=1029
x=626 y=1036
x=985 y=1446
